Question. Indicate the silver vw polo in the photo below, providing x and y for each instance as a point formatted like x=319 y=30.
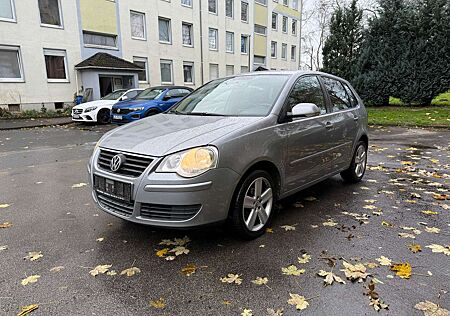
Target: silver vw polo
x=230 y=149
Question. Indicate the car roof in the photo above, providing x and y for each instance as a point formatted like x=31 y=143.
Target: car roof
x=288 y=72
x=170 y=87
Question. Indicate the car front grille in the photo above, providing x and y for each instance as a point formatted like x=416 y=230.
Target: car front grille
x=115 y=205
x=77 y=111
x=169 y=212
x=133 y=166
x=120 y=111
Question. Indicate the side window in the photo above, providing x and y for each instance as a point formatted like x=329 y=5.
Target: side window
x=338 y=95
x=172 y=93
x=307 y=90
x=184 y=92
x=132 y=94
x=353 y=99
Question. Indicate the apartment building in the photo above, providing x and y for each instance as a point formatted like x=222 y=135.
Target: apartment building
x=51 y=50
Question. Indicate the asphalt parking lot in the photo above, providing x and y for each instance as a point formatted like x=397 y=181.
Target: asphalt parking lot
x=45 y=207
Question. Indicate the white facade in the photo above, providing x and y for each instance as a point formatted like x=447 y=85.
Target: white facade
x=148 y=32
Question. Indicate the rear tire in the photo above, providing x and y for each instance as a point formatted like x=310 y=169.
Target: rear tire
x=357 y=169
x=104 y=116
x=253 y=205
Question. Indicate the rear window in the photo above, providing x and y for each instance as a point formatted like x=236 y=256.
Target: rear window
x=353 y=99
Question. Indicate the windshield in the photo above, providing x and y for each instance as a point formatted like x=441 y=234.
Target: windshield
x=237 y=96
x=150 y=94
x=114 y=95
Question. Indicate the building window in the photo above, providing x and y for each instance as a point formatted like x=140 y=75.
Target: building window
x=213 y=39
x=187 y=34
x=166 y=71
x=213 y=71
x=285 y=24
x=263 y=2
x=294 y=4
x=96 y=39
x=244 y=44
x=165 y=35
x=244 y=11
x=244 y=69
x=50 y=12
x=137 y=21
x=230 y=42
x=229 y=10
x=56 y=65
x=259 y=60
x=212 y=6
x=142 y=62
x=273 y=49
x=259 y=29
x=230 y=70
x=274 y=21
x=11 y=69
x=293 y=52
x=286 y=2
x=7 y=10
x=187 y=3
x=188 y=72
x=284 y=51
x=294 y=27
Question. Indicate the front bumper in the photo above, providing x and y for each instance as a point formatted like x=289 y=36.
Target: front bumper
x=85 y=117
x=127 y=118
x=168 y=200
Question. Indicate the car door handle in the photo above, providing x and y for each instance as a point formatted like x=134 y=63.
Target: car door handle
x=355 y=117
x=329 y=125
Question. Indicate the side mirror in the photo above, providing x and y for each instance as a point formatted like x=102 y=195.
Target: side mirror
x=124 y=98
x=167 y=98
x=304 y=110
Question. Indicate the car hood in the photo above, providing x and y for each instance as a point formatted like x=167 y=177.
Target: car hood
x=163 y=134
x=131 y=103
x=95 y=103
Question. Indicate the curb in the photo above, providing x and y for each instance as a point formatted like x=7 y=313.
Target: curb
x=34 y=126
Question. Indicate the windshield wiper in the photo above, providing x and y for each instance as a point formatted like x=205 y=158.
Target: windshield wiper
x=204 y=114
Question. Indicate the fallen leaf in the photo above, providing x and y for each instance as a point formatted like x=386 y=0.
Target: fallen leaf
x=100 y=269
x=30 y=279
x=378 y=304
x=329 y=223
x=430 y=309
x=79 y=185
x=441 y=197
x=304 y=259
x=6 y=225
x=428 y=212
x=25 y=310
x=387 y=224
x=130 y=271
x=159 y=304
x=111 y=273
x=330 y=277
x=440 y=249
x=260 y=281
x=100 y=239
x=232 y=278
x=247 y=312
x=4 y=205
x=310 y=198
x=384 y=261
x=189 y=269
x=4 y=247
x=415 y=248
x=432 y=230
x=298 y=301
x=57 y=269
x=288 y=227
x=272 y=312
x=162 y=253
x=269 y=230
x=292 y=270
x=403 y=270
x=355 y=272
x=179 y=250
x=407 y=235
x=34 y=255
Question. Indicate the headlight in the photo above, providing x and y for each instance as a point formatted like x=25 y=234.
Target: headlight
x=190 y=163
x=140 y=108
x=89 y=109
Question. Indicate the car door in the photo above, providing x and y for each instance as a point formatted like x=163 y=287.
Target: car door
x=342 y=123
x=308 y=144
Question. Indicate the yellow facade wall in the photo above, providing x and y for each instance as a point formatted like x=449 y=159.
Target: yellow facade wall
x=287 y=11
x=260 y=45
x=260 y=14
x=99 y=16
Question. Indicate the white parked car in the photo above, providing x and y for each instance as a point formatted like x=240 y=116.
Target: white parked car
x=100 y=110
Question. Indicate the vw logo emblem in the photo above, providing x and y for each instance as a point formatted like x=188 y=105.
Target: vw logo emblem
x=116 y=162
x=118 y=110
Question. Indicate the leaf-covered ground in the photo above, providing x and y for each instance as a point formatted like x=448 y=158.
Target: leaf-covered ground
x=379 y=247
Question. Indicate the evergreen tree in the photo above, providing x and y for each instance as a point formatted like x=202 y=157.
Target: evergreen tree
x=341 y=49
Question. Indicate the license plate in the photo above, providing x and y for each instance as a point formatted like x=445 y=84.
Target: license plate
x=116 y=189
x=76 y=116
x=117 y=117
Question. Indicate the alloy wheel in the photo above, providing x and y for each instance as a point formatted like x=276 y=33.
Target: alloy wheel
x=257 y=206
x=360 y=161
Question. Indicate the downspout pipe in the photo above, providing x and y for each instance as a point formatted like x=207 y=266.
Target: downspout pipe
x=202 y=76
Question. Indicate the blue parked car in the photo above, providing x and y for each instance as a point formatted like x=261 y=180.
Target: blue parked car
x=149 y=102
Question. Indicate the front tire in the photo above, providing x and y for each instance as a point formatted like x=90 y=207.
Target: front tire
x=151 y=113
x=357 y=169
x=253 y=205
x=103 y=116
